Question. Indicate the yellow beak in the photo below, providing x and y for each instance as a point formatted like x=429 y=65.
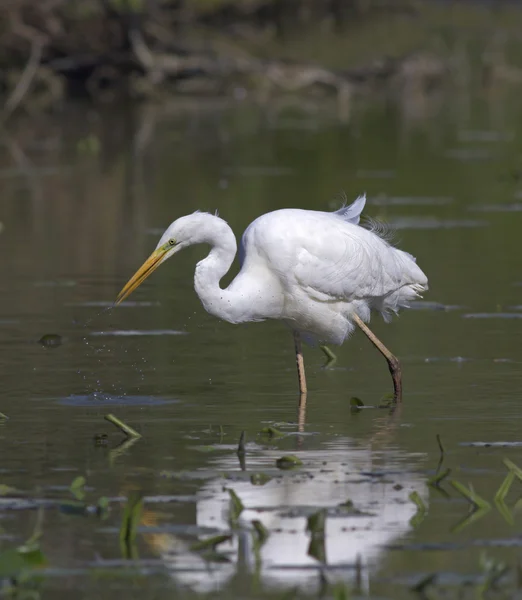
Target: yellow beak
x=148 y=267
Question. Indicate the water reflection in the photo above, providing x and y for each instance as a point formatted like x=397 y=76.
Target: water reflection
x=377 y=483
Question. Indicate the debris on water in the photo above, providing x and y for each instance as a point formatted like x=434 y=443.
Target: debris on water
x=356 y=404
x=288 y=462
x=236 y=507
x=517 y=471
x=418 y=517
x=347 y=504
x=504 y=488
x=137 y=332
x=498 y=315
x=241 y=444
x=3 y=417
x=471 y=496
x=420 y=587
x=7 y=490
x=129 y=523
x=210 y=543
x=123 y=427
x=77 y=487
x=101 y=439
x=315 y=525
x=261 y=532
x=272 y=432
x=259 y=478
x=51 y=340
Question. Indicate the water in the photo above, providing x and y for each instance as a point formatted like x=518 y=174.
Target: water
x=76 y=226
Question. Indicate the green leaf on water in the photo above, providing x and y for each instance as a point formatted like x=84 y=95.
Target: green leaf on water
x=438 y=478
x=471 y=496
x=356 y=402
x=316 y=523
x=77 y=487
x=503 y=490
x=418 y=517
x=259 y=478
x=7 y=490
x=210 y=543
x=3 y=417
x=513 y=467
x=288 y=462
x=102 y=507
x=341 y=591
x=129 y=523
x=261 y=532
x=236 y=506
x=123 y=427
x=272 y=432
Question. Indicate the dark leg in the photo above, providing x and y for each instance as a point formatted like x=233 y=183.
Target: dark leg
x=300 y=363
x=393 y=362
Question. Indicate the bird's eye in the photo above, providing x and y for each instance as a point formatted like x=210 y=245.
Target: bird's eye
x=172 y=242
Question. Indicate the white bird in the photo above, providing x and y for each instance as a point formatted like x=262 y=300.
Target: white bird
x=319 y=272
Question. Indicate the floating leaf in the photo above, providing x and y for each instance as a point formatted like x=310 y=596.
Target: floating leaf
x=3 y=417
x=356 y=402
x=316 y=523
x=503 y=490
x=471 y=496
x=259 y=478
x=513 y=467
x=102 y=508
x=236 y=506
x=261 y=531
x=288 y=462
x=77 y=487
x=272 y=432
x=438 y=478
x=6 y=490
x=129 y=523
x=51 y=340
x=418 y=517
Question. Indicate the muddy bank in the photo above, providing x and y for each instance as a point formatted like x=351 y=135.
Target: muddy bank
x=113 y=49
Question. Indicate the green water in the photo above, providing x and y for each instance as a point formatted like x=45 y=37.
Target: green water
x=81 y=213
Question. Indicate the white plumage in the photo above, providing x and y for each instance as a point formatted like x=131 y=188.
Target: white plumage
x=320 y=272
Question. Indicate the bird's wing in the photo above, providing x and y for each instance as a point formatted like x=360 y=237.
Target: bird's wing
x=349 y=263
x=352 y=213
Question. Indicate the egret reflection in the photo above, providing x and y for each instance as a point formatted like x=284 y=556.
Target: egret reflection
x=374 y=487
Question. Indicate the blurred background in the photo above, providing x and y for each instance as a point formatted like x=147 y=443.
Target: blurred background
x=118 y=116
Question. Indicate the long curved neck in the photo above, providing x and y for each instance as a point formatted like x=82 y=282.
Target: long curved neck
x=217 y=301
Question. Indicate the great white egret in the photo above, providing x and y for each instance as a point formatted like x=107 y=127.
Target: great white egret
x=320 y=272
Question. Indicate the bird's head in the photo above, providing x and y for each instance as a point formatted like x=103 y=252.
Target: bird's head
x=197 y=228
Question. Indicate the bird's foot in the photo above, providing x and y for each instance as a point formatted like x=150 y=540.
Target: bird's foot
x=331 y=358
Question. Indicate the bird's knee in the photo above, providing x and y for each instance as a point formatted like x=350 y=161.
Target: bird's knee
x=394 y=363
